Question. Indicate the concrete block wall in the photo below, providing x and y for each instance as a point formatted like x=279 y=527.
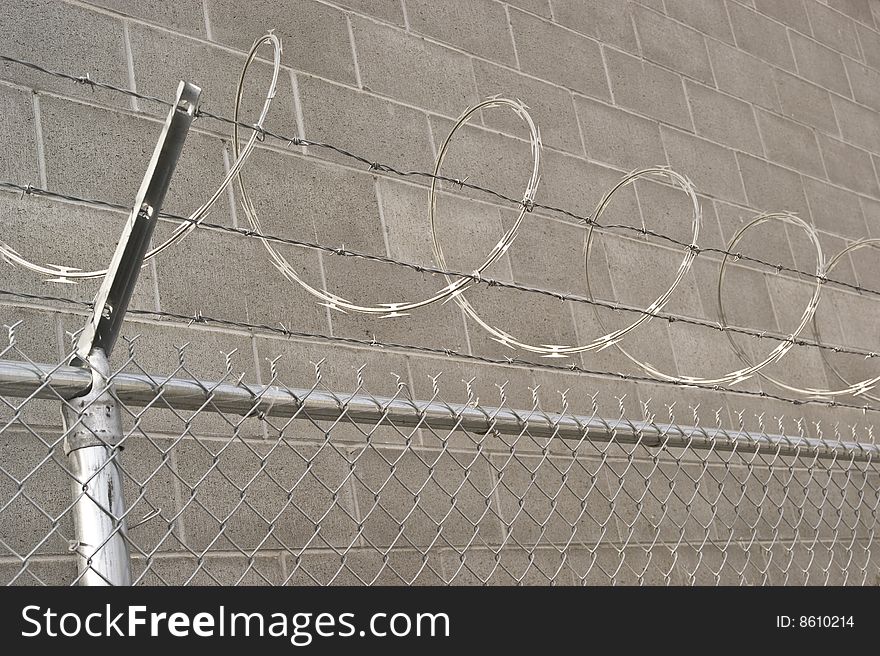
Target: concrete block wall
x=766 y=106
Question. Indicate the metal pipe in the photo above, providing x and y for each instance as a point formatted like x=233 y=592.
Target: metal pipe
x=92 y=431
x=23 y=379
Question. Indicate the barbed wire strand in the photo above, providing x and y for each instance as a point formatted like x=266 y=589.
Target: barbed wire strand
x=478 y=279
x=459 y=183
x=201 y=318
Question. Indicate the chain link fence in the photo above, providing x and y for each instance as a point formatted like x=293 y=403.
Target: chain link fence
x=295 y=482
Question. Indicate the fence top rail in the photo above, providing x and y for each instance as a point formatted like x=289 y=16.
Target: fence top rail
x=24 y=379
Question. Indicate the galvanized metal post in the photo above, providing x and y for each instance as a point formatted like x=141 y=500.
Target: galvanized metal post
x=93 y=428
x=92 y=420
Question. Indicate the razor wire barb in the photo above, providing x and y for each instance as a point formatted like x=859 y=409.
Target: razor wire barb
x=380 y=167
x=201 y=318
x=460 y=284
x=343 y=251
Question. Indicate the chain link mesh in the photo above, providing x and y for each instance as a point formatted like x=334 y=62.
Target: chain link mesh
x=226 y=487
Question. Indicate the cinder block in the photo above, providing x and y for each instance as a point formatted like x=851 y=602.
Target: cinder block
x=706 y=353
x=760 y=36
x=435 y=326
x=181 y=351
x=161 y=59
x=604 y=128
x=512 y=566
x=792 y=14
x=728 y=565
x=315 y=36
x=387 y=10
x=848 y=306
x=835 y=210
x=203 y=352
x=772 y=188
x=187 y=283
x=641 y=271
x=370 y=127
x=647 y=89
x=39 y=572
x=864 y=82
x=248 y=495
x=871 y=210
x=18 y=132
x=790 y=297
x=766 y=243
x=35 y=338
x=669 y=404
x=485 y=158
x=710 y=230
x=550 y=322
x=801 y=367
x=36 y=490
x=649 y=343
x=744 y=294
x=186 y=16
x=819 y=64
x=709 y=17
x=865 y=273
x=670 y=211
x=556 y=501
x=585 y=396
x=833 y=29
x=559 y=56
x=859 y=10
x=478 y=26
x=425 y=498
x=858 y=124
x=149 y=486
x=96 y=153
x=226 y=569
x=673 y=45
x=62 y=37
x=848 y=166
x=577 y=186
x=653 y=4
x=790 y=143
x=316 y=212
x=603 y=20
x=413 y=70
x=743 y=75
x=543 y=241
x=712 y=168
x=454 y=377
x=467 y=229
x=805 y=563
x=722 y=118
x=295 y=365
x=84 y=238
x=869 y=41
x=613 y=565
x=365 y=567
x=539 y=7
x=806 y=102
x=550 y=107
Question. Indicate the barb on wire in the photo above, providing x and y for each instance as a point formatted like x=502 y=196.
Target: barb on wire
x=457 y=286
x=202 y=318
x=477 y=279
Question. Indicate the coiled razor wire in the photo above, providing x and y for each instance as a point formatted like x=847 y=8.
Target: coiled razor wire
x=60 y=273
x=456 y=287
